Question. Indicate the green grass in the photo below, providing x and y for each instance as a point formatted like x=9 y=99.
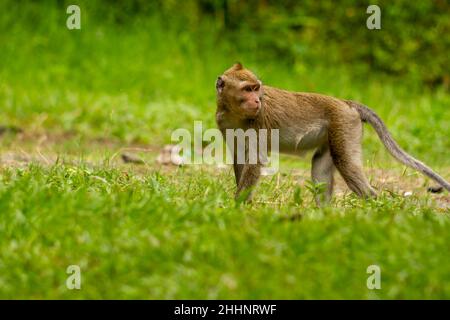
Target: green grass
x=179 y=235
x=151 y=232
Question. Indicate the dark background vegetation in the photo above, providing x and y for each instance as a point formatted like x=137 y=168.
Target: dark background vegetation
x=414 y=40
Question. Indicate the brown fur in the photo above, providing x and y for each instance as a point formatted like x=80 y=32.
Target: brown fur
x=331 y=126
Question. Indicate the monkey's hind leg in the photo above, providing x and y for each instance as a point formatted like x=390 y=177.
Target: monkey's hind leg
x=345 y=147
x=322 y=171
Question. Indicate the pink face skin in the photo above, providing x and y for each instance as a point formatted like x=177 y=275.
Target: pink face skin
x=250 y=98
x=247 y=98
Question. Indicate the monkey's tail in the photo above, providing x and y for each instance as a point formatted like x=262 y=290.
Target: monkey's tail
x=369 y=116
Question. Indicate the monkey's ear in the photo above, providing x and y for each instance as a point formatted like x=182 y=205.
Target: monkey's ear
x=238 y=66
x=220 y=84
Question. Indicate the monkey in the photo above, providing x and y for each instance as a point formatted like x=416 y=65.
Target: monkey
x=329 y=126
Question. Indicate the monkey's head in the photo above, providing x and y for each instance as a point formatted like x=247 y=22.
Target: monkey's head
x=240 y=91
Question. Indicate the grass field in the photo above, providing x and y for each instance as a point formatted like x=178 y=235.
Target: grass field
x=71 y=102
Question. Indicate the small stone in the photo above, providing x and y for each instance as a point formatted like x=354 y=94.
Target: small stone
x=131 y=158
x=170 y=154
x=436 y=189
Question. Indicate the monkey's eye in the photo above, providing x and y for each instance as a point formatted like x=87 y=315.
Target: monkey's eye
x=256 y=88
x=248 y=88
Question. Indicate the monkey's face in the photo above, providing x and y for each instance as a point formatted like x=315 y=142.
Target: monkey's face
x=241 y=92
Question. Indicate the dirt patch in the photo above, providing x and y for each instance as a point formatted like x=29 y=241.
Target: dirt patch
x=46 y=149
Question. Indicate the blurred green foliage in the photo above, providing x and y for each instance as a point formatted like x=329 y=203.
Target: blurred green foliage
x=414 y=38
x=139 y=69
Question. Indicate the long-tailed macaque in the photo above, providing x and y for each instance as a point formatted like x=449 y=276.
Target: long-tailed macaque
x=306 y=121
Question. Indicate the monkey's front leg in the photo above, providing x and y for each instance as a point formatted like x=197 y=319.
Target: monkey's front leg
x=249 y=177
x=237 y=171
